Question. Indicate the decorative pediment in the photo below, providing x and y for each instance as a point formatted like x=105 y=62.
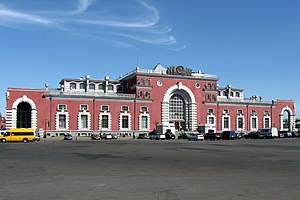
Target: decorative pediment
x=179 y=70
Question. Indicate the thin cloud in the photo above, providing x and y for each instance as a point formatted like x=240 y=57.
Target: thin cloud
x=141 y=23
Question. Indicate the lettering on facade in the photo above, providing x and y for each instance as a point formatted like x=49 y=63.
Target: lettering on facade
x=179 y=70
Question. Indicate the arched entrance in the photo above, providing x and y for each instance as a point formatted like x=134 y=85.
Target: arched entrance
x=287 y=119
x=179 y=108
x=24 y=115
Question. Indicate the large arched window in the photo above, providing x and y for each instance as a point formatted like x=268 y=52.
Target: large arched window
x=24 y=115
x=176 y=107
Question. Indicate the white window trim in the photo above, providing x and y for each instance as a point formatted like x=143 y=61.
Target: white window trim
x=79 y=121
x=87 y=108
x=237 y=123
x=141 y=110
x=125 y=110
x=62 y=105
x=251 y=125
x=140 y=122
x=270 y=122
x=207 y=119
x=229 y=123
x=129 y=121
x=109 y=121
x=104 y=110
x=57 y=120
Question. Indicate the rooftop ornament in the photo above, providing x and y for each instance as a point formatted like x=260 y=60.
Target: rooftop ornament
x=179 y=70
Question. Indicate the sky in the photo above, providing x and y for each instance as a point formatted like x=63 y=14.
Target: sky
x=253 y=45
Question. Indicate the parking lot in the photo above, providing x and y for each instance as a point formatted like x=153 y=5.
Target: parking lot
x=142 y=169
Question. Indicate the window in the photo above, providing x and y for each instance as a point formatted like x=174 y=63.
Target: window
x=125 y=121
x=101 y=87
x=254 y=123
x=219 y=93
x=84 y=121
x=125 y=108
x=226 y=122
x=92 y=86
x=84 y=107
x=231 y=94
x=253 y=112
x=110 y=87
x=267 y=122
x=144 y=109
x=62 y=122
x=144 y=122
x=73 y=86
x=104 y=121
x=225 y=111
x=237 y=94
x=240 y=112
x=225 y=93
x=104 y=108
x=176 y=107
x=82 y=86
x=210 y=111
x=240 y=123
x=266 y=112
x=62 y=107
x=211 y=120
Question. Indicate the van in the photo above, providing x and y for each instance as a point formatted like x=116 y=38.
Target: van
x=18 y=135
x=268 y=133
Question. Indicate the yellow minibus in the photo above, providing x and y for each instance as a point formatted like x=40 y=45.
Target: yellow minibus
x=18 y=135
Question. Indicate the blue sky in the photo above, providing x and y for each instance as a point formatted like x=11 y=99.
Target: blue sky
x=251 y=44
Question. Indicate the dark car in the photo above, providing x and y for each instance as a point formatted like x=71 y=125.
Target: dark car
x=286 y=134
x=95 y=136
x=212 y=136
x=169 y=135
x=251 y=135
x=68 y=137
x=226 y=135
x=142 y=136
x=183 y=135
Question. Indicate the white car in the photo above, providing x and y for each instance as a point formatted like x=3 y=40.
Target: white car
x=196 y=136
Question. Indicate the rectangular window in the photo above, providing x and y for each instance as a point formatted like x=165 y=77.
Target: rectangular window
x=62 y=122
x=104 y=122
x=253 y=112
x=144 y=122
x=84 y=107
x=211 y=120
x=225 y=111
x=226 y=122
x=210 y=111
x=254 y=124
x=266 y=112
x=125 y=122
x=84 y=121
x=62 y=107
x=104 y=108
x=144 y=109
x=240 y=123
x=267 y=122
x=125 y=108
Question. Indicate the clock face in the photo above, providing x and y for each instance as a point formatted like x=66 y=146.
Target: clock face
x=159 y=83
x=197 y=85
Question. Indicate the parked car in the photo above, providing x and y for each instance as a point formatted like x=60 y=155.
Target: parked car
x=183 y=135
x=296 y=134
x=286 y=134
x=196 y=136
x=114 y=136
x=68 y=136
x=95 y=136
x=107 y=136
x=226 y=135
x=142 y=136
x=212 y=136
x=240 y=135
x=267 y=133
x=251 y=135
x=156 y=136
x=169 y=135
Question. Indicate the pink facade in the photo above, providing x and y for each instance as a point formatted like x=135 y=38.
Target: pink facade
x=174 y=98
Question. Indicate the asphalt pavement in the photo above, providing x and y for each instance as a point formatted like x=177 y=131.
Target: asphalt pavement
x=149 y=170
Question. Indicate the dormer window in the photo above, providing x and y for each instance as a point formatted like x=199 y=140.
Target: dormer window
x=101 y=87
x=73 y=86
x=82 y=86
x=92 y=86
x=110 y=87
x=237 y=94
